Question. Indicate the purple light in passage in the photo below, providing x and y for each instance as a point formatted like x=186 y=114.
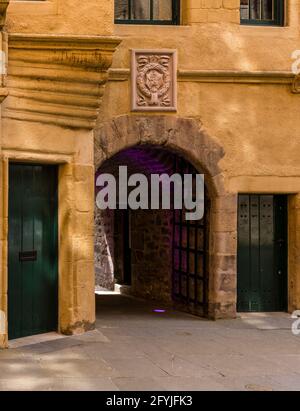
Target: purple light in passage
x=158 y=310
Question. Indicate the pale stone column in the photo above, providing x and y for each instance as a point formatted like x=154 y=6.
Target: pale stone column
x=76 y=243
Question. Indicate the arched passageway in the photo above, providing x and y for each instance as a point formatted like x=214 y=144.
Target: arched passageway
x=145 y=144
x=157 y=254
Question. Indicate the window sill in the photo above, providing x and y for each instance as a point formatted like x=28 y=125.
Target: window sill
x=145 y=23
x=261 y=24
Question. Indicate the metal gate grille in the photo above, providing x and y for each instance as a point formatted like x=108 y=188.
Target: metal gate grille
x=190 y=279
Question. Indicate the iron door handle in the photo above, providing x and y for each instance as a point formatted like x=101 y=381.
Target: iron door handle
x=28 y=255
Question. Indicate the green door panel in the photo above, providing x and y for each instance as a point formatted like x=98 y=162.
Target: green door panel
x=262 y=253
x=33 y=250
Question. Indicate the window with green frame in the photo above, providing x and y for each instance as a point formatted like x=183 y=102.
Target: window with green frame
x=147 y=11
x=262 y=12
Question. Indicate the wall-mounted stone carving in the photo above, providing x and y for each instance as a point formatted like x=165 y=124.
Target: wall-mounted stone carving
x=154 y=83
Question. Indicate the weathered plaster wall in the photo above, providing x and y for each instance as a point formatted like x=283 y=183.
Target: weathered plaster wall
x=251 y=121
x=74 y=17
x=256 y=124
x=218 y=45
x=218 y=39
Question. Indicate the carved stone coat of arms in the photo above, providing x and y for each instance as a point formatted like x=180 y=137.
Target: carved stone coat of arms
x=154 y=86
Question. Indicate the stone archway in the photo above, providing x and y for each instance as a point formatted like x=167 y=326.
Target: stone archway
x=187 y=137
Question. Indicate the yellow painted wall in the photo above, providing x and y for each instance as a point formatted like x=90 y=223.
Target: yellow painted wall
x=257 y=124
x=253 y=123
x=77 y=17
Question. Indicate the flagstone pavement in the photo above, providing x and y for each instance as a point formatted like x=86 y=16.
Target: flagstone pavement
x=135 y=348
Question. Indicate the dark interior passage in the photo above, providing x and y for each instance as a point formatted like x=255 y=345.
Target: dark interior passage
x=155 y=254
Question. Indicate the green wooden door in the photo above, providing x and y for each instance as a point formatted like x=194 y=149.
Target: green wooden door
x=262 y=253
x=33 y=250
